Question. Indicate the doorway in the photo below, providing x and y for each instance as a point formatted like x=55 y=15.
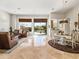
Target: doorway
x=40 y=26
x=35 y=26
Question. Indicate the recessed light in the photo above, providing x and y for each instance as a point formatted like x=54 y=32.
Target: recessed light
x=52 y=8
x=66 y=1
x=18 y=8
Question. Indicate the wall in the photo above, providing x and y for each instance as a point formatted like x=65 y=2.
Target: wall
x=4 y=21
x=73 y=16
x=56 y=17
x=13 y=21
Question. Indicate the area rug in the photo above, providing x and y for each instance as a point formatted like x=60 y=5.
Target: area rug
x=64 y=48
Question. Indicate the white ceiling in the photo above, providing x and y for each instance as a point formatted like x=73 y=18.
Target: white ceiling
x=36 y=6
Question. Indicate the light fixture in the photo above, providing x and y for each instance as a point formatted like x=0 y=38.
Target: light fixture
x=52 y=8
x=66 y=1
x=18 y=8
x=64 y=21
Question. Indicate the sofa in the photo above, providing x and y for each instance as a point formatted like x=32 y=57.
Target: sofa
x=7 y=40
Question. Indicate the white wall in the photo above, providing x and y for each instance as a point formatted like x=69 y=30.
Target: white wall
x=73 y=15
x=4 y=21
x=57 y=16
x=13 y=21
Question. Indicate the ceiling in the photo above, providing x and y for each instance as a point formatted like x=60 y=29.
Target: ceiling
x=36 y=6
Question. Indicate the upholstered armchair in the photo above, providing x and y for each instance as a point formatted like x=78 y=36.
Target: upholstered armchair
x=7 y=40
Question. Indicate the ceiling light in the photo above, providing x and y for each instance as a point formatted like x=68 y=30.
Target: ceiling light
x=18 y=8
x=66 y=1
x=52 y=8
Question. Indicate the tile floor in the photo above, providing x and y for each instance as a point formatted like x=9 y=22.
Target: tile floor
x=37 y=47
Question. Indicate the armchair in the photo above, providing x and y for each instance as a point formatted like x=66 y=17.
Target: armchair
x=7 y=40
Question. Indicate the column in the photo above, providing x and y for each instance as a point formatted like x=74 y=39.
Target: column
x=32 y=26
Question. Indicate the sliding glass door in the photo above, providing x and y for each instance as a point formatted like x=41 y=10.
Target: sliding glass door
x=26 y=24
x=40 y=28
x=37 y=26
